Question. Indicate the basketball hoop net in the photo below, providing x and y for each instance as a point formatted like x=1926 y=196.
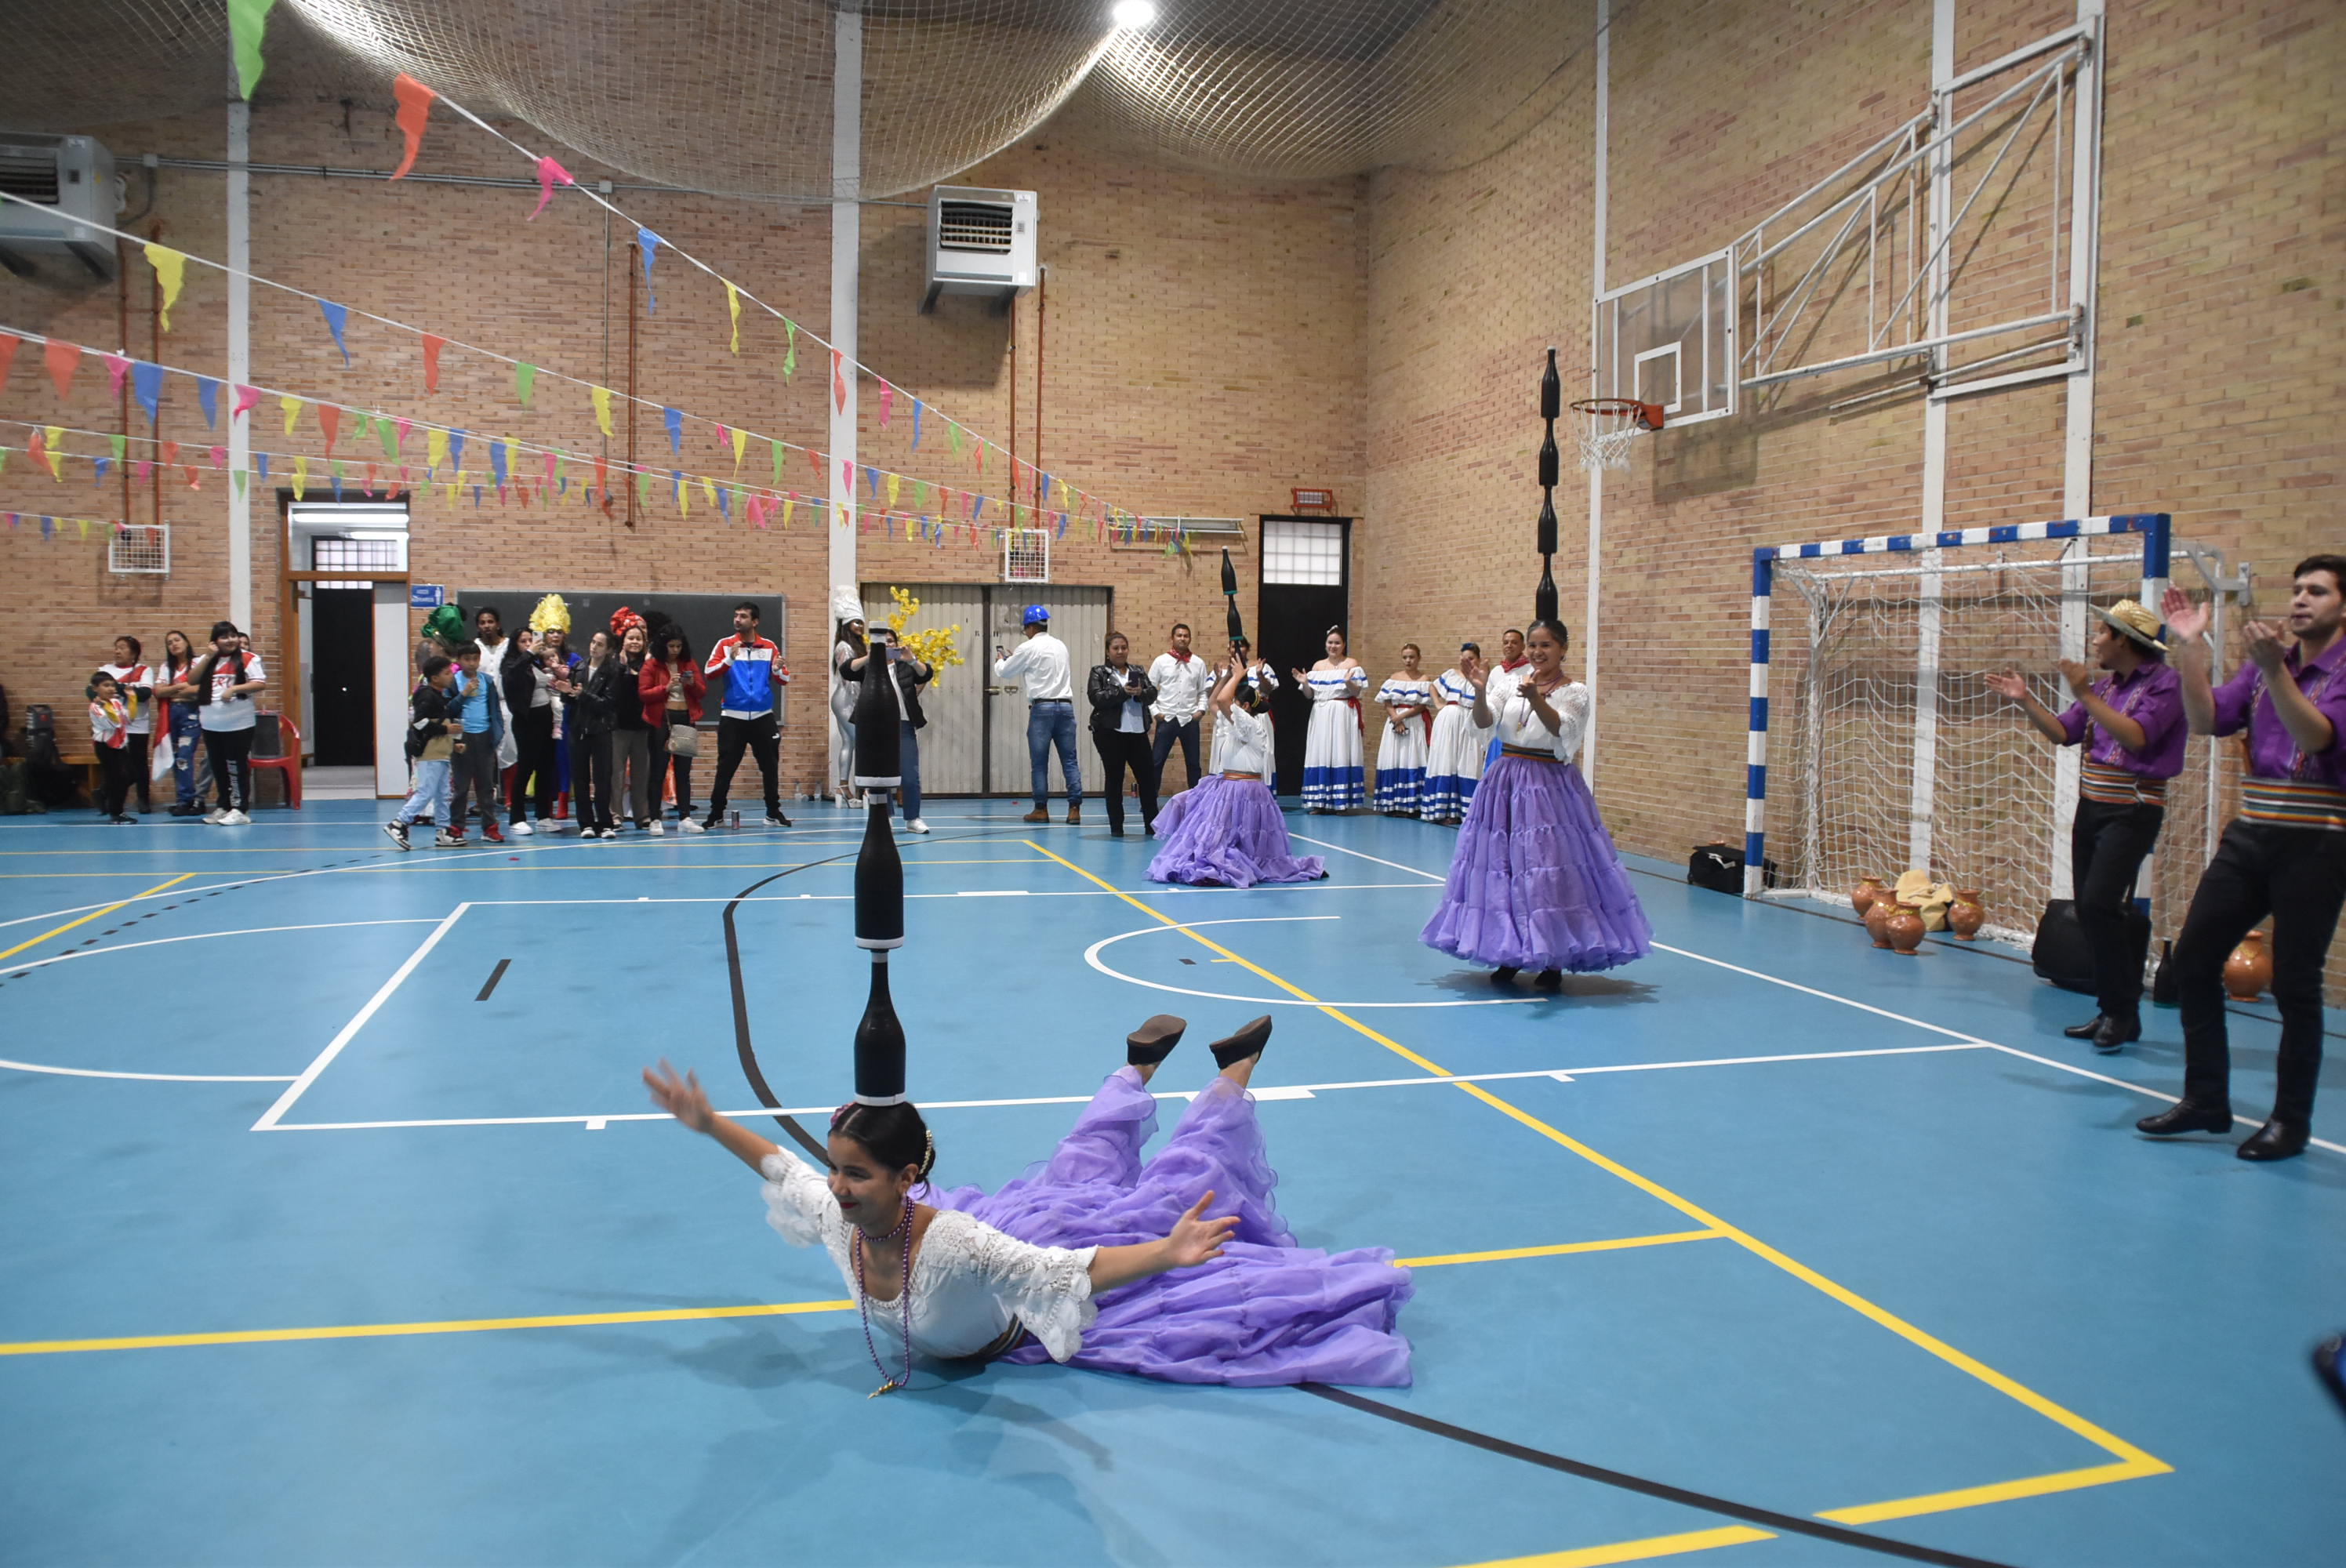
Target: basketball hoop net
x=1608 y=427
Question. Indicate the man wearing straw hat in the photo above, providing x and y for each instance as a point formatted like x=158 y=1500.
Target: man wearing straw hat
x=2131 y=724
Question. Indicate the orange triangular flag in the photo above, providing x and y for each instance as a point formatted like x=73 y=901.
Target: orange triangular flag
x=432 y=362
x=64 y=359
x=414 y=109
x=330 y=419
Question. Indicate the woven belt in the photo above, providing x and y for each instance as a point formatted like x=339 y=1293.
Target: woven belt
x=1227 y=773
x=1008 y=1340
x=2290 y=803
x=1529 y=756
x=2116 y=786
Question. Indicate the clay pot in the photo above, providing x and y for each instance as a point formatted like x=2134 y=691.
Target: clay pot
x=1965 y=915
x=1904 y=928
x=2249 y=970
x=1877 y=918
x=1861 y=897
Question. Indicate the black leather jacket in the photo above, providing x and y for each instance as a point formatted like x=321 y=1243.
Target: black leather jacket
x=1108 y=693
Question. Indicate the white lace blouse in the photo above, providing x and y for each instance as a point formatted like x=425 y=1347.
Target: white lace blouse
x=1521 y=728
x=969 y=1279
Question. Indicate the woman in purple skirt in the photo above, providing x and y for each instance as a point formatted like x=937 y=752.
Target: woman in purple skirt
x=1178 y=1268
x=1227 y=832
x=1535 y=883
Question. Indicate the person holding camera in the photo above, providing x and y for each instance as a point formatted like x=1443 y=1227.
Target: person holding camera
x=911 y=675
x=1120 y=696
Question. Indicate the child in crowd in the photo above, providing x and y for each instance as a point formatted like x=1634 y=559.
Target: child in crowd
x=431 y=743
x=111 y=712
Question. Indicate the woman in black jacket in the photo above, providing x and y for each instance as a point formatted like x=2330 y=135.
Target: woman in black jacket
x=1120 y=692
x=597 y=684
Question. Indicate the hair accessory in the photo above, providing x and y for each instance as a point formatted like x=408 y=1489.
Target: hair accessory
x=446 y=625
x=550 y=615
x=623 y=618
x=845 y=606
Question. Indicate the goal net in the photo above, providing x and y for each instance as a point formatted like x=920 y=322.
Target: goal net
x=1883 y=750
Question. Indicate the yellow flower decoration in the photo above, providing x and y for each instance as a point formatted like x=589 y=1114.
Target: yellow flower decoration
x=934 y=647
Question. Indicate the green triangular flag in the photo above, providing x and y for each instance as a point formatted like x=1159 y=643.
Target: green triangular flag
x=778 y=461
x=643 y=488
x=238 y=477
x=791 y=349
x=387 y=432
x=524 y=382
x=246 y=20
x=116 y=440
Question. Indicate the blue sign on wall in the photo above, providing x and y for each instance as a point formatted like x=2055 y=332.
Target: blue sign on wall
x=425 y=595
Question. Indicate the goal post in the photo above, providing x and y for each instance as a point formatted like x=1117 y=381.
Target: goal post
x=1891 y=752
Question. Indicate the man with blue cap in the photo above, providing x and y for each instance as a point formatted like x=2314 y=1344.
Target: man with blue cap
x=1040 y=663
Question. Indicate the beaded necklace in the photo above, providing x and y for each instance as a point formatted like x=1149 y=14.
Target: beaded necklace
x=903 y=1295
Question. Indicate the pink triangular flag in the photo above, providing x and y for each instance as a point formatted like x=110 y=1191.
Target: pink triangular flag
x=548 y=171
x=117 y=367
x=887 y=396
x=245 y=398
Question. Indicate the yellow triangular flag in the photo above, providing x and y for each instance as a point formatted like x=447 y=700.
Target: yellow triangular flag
x=707 y=490
x=436 y=443
x=683 y=499
x=789 y=504
x=170 y=271
x=292 y=407
x=733 y=307
x=55 y=459
x=740 y=441
x=301 y=476
x=894 y=481
x=602 y=396
x=85 y=526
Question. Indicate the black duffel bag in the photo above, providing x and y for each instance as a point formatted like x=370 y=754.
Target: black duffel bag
x=2061 y=954
x=1720 y=868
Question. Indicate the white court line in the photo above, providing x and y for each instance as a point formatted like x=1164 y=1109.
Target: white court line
x=1092 y=957
x=205 y=936
x=334 y=1047
x=1277 y=1092
x=1023 y=892
x=149 y=1077
x=1396 y=865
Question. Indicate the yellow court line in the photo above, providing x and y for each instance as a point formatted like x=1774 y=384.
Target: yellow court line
x=1558 y=1250
x=1635 y=1551
x=2133 y=1462
x=389 y=1330
x=1999 y=1492
x=94 y=915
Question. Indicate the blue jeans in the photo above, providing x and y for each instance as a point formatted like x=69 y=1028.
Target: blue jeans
x=430 y=796
x=1050 y=724
x=186 y=727
x=908 y=769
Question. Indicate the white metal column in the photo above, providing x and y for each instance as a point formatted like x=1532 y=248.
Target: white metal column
x=240 y=354
x=2077 y=423
x=846 y=294
x=1923 y=788
x=1592 y=568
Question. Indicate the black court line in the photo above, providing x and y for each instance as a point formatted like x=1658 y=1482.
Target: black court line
x=741 y=1043
x=494 y=976
x=1789 y=1523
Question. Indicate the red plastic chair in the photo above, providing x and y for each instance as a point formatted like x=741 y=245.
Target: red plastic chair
x=287 y=757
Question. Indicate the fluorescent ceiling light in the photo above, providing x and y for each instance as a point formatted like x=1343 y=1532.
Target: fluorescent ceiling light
x=1133 y=14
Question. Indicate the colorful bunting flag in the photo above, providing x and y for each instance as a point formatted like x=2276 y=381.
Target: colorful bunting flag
x=336 y=315
x=171 y=272
x=548 y=172
x=646 y=241
x=431 y=346
x=526 y=377
x=330 y=419
x=733 y=309
x=389 y=433
x=117 y=367
x=839 y=380
x=790 y=349
x=147 y=385
x=456 y=450
x=246 y=20
x=207 y=394
x=741 y=444
x=63 y=359
x=497 y=463
x=414 y=109
x=9 y=344
x=602 y=399
x=292 y=410
x=435 y=447
x=916 y=425
x=887 y=396
x=119 y=443
x=245 y=398
x=674 y=420
x=777 y=448
x=300 y=477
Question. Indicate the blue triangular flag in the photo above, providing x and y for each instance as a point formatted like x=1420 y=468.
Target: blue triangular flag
x=648 y=242
x=456 y=450
x=207 y=394
x=872 y=478
x=476 y=497
x=47 y=525
x=916 y=425
x=725 y=510
x=146 y=382
x=337 y=482
x=977 y=511
x=497 y=462
x=674 y=420
x=335 y=316
x=260 y=459
x=101 y=467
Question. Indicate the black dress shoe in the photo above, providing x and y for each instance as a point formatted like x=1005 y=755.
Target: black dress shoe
x=2185 y=1117
x=1154 y=1040
x=1247 y=1041
x=2116 y=1033
x=1504 y=974
x=2086 y=1029
x=2276 y=1140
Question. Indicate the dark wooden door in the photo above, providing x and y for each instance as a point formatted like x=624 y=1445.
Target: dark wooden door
x=342 y=677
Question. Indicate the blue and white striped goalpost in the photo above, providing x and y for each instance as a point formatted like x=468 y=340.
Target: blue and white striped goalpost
x=2153 y=527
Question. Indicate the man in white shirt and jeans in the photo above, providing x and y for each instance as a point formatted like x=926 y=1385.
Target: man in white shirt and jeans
x=1183 y=685
x=1040 y=663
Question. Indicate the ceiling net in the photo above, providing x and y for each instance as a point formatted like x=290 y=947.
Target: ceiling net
x=735 y=96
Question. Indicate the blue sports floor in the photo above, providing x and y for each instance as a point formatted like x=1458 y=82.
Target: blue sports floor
x=319 y=1248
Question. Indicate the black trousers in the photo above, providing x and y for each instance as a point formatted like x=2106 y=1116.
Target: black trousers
x=135 y=748
x=472 y=771
x=534 y=784
x=114 y=765
x=590 y=781
x=1167 y=732
x=2297 y=875
x=1119 y=749
x=758 y=736
x=231 y=751
x=2107 y=846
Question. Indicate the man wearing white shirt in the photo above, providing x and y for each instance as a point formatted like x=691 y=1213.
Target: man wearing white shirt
x=1040 y=663
x=1183 y=684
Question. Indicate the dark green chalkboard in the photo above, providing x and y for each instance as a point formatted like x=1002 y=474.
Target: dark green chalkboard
x=705 y=617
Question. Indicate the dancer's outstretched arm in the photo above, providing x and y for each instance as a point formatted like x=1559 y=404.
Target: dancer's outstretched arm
x=684 y=1099
x=1192 y=1241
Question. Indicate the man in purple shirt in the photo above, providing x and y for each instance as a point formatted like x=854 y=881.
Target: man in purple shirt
x=2284 y=855
x=2131 y=725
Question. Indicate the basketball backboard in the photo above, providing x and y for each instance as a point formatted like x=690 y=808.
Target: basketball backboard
x=1671 y=340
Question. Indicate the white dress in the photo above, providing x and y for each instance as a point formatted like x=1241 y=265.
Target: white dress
x=1402 y=758
x=969 y=1281
x=1263 y=675
x=1332 y=747
x=1455 y=756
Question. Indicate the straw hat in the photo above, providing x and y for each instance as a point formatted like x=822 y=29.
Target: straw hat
x=2134 y=621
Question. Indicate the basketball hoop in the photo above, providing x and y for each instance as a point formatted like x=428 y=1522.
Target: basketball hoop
x=1608 y=427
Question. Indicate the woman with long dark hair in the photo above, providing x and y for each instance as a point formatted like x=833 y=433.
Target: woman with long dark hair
x=1332 y=755
x=184 y=720
x=595 y=688
x=1535 y=883
x=671 y=686
x=1119 y=694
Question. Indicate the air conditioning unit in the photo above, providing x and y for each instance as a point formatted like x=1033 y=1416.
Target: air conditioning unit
x=981 y=243
x=68 y=181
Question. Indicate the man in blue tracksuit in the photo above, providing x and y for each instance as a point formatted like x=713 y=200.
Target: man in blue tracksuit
x=744 y=673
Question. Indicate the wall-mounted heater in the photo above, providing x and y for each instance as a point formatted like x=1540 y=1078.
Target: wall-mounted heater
x=981 y=243
x=57 y=180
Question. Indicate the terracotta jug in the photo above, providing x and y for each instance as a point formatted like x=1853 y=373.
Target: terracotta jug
x=1877 y=917
x=1861 y=897
x=2249 y=970
x=1965 y=915
x=1904 y=928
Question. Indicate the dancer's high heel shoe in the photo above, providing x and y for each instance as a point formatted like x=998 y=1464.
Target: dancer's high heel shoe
x=1247 y=1041
x=1154 y=1040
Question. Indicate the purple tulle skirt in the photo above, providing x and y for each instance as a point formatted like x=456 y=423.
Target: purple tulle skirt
x=1265 y=1313
x=1535 y=883
x=1226 y=832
